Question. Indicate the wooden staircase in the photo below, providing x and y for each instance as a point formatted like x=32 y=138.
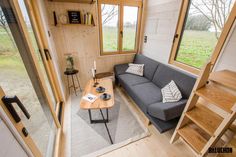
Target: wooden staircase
x=211 y=88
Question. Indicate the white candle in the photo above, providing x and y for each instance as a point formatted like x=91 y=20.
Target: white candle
x=93 y=73
x=94 y=64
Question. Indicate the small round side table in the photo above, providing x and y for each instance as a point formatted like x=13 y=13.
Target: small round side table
x=72 y=73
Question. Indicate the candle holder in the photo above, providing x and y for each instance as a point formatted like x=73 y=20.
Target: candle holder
x=95 y=79
x=94 y=82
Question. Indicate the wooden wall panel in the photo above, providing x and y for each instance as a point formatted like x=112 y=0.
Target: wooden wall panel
x=82 y=41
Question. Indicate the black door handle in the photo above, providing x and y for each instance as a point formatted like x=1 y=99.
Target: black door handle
x=8 y=101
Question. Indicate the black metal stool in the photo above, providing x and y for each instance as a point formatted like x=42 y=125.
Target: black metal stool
x=72 y=73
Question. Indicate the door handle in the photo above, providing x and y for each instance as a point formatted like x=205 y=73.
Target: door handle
x=47 y=54
x=8 y=102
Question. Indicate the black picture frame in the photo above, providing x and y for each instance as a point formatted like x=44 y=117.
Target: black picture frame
x=74 y=17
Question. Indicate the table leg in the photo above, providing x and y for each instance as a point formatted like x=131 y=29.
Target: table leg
x=106 y=125
x=74 y=84
x=90 y=116
x=78 y=82
x=107 y=115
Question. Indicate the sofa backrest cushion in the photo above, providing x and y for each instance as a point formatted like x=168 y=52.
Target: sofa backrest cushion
x=164 y=74
x=150 y=65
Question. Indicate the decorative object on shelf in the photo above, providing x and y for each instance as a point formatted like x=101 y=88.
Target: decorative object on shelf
x=69 y=62
x=75 y=1
x=74 y=17
x=63 y=19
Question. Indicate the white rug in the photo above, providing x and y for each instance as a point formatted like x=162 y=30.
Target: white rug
x=92 y=139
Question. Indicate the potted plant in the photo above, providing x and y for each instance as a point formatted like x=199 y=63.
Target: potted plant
x=69 y=62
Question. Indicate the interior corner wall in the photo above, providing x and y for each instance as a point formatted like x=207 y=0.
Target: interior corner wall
x=160 y=23
x=51 y=45
x=227 y=59
x=81 y=41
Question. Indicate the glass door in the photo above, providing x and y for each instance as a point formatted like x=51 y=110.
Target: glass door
x=38 y=50
x=23 y=74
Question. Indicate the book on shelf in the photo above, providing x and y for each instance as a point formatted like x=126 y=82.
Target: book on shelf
x=88 y=19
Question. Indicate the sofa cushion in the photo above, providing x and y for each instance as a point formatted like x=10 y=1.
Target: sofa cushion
x=164 y=74
x=136 y=69
x=167 y=111
x=131 y=79
x=150 y=65
x=120 y=69
x=171 y=93
x=146 y=94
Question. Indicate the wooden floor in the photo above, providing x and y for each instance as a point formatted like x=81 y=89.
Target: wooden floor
x=156 y=145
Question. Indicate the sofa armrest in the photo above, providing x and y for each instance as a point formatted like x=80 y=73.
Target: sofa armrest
x=167 y=111
x=120 y=69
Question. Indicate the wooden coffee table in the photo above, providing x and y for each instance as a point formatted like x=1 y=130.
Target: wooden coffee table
x=99 y=104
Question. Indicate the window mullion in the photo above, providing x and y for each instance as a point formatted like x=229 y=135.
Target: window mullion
x=121 y=14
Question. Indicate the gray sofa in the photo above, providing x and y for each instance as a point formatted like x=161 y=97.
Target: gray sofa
x=146 y=90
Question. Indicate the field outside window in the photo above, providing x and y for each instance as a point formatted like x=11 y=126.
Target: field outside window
x=119 y=27
x=204 y=23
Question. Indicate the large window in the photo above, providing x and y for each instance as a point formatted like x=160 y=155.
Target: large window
x=119 y=26
x=200 y=25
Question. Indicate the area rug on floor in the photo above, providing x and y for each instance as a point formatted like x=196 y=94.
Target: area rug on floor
x=92 y=139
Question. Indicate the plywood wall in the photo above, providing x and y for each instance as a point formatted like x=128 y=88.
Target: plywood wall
x=160 y=24
x=81 y=41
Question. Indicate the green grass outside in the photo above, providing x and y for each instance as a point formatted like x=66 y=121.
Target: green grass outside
x=6 y=44
x=110 y=39
x=10 y=59
x=196 y=47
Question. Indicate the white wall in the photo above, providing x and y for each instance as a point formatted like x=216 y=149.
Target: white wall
x=227 y=59
x=160 y=24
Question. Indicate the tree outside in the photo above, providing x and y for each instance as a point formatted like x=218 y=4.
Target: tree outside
x=205 y=21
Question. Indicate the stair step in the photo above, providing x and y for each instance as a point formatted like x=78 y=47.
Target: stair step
x=206 y=119
x=217 y=96
x=226 y=78
x=193 y=138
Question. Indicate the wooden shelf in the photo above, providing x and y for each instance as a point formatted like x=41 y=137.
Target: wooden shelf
x=206 y=119
x=217 y=96
x=70 y=24
x=75 y=1
x=226 y=78
x=193 y=138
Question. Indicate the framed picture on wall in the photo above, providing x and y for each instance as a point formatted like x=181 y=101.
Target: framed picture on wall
x=74 y=17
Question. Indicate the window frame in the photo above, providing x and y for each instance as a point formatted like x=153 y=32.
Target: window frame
x=183 y=14
x=121 y=4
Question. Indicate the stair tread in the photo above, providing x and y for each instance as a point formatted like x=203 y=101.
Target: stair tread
x=193 y=138
x=217 y=96
x=206 y=119
x=226 y=78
